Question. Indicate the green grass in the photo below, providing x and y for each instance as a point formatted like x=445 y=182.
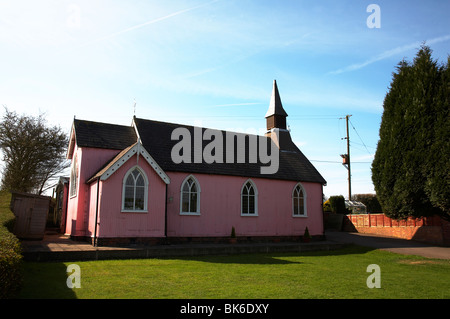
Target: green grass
x=336 y=274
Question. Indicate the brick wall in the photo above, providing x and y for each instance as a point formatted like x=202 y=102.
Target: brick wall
x=433 y=230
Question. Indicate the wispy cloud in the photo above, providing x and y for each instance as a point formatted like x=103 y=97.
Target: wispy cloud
x=142 y=25
x=388 y=54
x=236 y=104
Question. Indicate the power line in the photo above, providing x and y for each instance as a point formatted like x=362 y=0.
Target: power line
x=321 y=161
x=353 y=142
x=360 y=137
x=337 y=162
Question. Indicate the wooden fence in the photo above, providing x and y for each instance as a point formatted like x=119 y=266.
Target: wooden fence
x=31 y=215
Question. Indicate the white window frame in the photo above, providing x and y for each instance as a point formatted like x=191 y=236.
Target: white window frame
x=73 y=188
x=124 y=182
x=255 y=189
x=294 y=197
x=197 y=212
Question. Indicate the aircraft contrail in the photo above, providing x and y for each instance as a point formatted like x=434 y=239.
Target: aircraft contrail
x=390 y=53
x=138 y=26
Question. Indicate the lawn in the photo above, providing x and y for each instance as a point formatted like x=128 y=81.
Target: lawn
x=335 y=274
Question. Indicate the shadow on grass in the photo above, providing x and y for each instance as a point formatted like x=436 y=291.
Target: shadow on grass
x=48 y=280
x=247 y=259
x=45 y=280
x=271 y=258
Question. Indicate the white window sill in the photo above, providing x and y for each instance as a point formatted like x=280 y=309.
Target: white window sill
x=134 y=211
x=189 y=214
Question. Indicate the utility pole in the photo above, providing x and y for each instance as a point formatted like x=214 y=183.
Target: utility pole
x=346 y=161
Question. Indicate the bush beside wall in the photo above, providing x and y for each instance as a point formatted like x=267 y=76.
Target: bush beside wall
x=10 y=251
x=337 y=204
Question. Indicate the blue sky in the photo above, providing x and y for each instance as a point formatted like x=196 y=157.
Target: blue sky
x=212 y=63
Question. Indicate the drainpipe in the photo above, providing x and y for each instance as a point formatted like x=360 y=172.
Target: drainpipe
x=96 y=212
x=323 y=215
x=165 y=216
x=67 y=207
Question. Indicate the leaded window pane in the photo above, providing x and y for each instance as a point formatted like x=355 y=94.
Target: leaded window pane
x=248 y=199
x=130 y=181
x=245 y=204
x=129 y=197
x=301 y=206
x=296 y=206
x=139 y=199
x=140 y=181
x=193 y=204
x=190 y=196
x=298 y=201
x=251 y=204
x=135 y=190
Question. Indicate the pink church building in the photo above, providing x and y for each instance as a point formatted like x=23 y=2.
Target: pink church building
x=143 y=184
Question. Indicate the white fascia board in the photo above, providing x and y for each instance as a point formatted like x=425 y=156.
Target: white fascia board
x=139 y=149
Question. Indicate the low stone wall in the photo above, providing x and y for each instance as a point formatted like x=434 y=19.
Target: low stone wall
x=151 y=241
x=433 y=230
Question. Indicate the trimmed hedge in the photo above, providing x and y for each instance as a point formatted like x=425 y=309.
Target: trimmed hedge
x=10 y=252
x=337 y=204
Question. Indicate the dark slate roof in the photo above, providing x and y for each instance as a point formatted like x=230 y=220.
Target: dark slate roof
x=103 y=135
x=109 y=164
x=156 y=138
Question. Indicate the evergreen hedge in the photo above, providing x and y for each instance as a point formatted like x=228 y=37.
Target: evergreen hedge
x=337 y=204
x=10 y=252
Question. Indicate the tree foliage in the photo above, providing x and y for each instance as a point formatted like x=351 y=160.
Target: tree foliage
x=410 y=170
x=337 y=204
x=370 y=200
x=33 y=153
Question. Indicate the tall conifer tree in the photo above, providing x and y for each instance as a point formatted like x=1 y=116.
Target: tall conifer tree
x=408 y=177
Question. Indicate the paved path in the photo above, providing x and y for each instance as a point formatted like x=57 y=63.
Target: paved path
x=396 y=245
x=61 y=248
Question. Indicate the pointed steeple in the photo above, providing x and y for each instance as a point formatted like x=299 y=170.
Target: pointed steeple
x=276 y=115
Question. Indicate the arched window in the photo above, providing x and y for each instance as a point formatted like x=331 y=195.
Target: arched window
x=74 y=176
x=190 y=196
x=135 y=191
x=299 y=201
x=249 y=199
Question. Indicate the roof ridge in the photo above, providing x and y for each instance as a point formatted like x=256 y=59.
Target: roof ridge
x=101 y=123
x=201 y=127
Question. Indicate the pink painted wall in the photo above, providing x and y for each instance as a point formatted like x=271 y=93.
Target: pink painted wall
x=220 y=208
x=220 y=205
x=115 y=223
x=92 y=208
x=90 y=161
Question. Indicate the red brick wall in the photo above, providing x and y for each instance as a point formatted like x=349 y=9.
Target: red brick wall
x=432 y=230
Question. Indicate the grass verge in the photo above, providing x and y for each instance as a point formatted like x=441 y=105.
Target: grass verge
x=337 y=274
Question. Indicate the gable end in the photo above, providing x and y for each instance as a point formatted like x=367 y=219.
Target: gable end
x=123 y=157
